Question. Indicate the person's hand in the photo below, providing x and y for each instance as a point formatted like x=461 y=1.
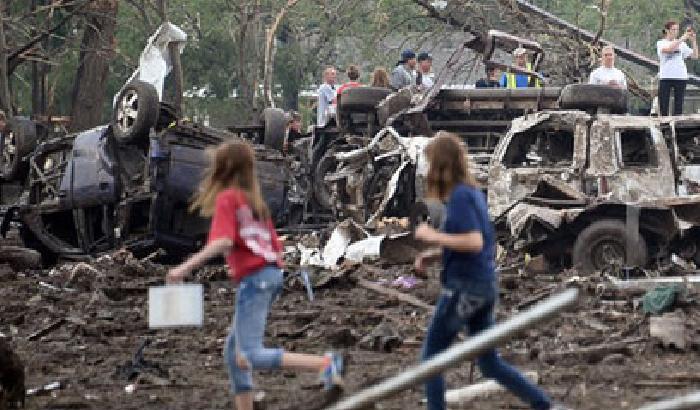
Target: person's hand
x=426 y=233
x=419 y=263
x=176 y=274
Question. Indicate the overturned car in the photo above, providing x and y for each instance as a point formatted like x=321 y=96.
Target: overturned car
x=129 y=183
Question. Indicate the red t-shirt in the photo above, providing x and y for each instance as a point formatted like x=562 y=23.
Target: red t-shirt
x=255 y=243
x=347 y=85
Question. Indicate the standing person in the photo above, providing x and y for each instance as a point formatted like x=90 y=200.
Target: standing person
x=514 y=80
x=380 y=78
x=402 y=75
x=673 y=73
x=492 y=80
x=242 y=231
x=607 y=73
x=425 y=76
x=325 y=107
x=353 y=74
x=469 y=283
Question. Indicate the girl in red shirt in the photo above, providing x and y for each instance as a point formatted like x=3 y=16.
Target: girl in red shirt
x=242 y=231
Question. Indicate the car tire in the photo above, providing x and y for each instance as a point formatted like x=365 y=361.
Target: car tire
x=136 y=112
x=19 y=140
x=591 y=96
x=393 y=105
x=603 y=242
x=321 y=192
x=275 y=122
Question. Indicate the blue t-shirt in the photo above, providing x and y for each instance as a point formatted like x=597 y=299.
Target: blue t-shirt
x=467 y=212
x=521 y=80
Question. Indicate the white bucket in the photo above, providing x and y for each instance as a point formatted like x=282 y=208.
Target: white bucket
x=175 y=305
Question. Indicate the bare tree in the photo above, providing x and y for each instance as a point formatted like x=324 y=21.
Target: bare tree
x=270 y=51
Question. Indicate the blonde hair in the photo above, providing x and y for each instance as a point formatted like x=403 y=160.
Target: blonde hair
x=448 y=165
x=231 y=165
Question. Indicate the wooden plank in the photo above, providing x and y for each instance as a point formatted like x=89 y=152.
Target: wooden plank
x=412 y=300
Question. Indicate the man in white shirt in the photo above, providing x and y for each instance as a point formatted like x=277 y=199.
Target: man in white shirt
x=325 y=108
x=607 y=74
x=425 y=77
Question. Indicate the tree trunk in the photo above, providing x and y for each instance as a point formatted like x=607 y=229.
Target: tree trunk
x=5 y=103
x=97 y=50
x=270 y=52
x=248 y=65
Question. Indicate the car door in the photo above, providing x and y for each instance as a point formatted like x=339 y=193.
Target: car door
x=640 y=166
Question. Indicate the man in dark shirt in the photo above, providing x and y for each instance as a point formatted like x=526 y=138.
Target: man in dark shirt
x=492 y=80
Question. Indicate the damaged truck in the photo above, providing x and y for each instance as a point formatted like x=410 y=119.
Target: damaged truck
x=598 y=191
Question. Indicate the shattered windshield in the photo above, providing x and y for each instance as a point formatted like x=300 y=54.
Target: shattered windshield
x=540 y=148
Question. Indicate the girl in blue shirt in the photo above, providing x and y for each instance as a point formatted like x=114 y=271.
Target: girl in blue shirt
x=466 y=244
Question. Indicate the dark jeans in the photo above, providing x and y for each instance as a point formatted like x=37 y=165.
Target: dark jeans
x=665 y=87
x=472 y=307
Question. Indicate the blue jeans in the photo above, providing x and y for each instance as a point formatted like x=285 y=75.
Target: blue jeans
x=471 y=306
x=256 y=292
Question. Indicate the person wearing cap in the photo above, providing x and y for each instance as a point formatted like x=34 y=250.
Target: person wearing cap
x=425 y=77
x=492 y=80
x=353 y=74
x=325 y=108
x=607 y=73
x=402 y=75
x=514 y=80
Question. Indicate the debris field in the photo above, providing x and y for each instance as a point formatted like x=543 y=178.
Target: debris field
x=80 y=330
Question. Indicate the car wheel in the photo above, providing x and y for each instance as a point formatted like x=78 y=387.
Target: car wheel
x=591 y=96
x=136 y=112
x=18 y=141
x=326 y=164
x=275 y=126
x=603 y=244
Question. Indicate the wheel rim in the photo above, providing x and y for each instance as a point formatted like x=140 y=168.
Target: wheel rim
x=127 y=111
x=607 y=252
x=9 y=149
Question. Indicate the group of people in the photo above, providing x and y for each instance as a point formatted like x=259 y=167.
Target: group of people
x=411 y=70
x=242 y=231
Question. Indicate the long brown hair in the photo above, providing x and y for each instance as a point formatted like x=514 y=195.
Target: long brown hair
x=448 y=165
x=380 y=78
x=231 y=165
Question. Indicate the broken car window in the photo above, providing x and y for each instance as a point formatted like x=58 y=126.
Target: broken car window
x=688 y=142
x=636 y=148
x=540 y=148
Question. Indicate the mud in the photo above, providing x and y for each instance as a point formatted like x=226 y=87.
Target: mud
x=93 y=339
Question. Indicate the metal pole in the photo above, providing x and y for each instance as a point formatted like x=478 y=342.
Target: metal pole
x=466 y=350
x=691 y=401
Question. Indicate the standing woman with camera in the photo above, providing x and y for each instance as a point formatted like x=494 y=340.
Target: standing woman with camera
x=673 y=73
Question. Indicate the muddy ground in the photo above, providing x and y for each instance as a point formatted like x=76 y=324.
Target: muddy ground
x=85 y=338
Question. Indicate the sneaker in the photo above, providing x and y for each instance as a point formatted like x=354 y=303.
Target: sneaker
x=332 y=375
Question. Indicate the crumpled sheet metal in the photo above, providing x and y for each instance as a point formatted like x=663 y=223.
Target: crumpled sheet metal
x=503 y=191
x=343 y=235
x=520 y=215
x=155 y=62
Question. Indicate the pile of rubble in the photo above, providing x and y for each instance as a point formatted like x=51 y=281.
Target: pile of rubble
x=81 y=331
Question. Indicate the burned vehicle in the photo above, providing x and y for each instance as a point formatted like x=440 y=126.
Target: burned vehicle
x=597 y=190
x=366 y=164
x=129 y=183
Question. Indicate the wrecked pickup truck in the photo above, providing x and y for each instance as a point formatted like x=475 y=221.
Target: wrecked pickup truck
x=598 y=190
